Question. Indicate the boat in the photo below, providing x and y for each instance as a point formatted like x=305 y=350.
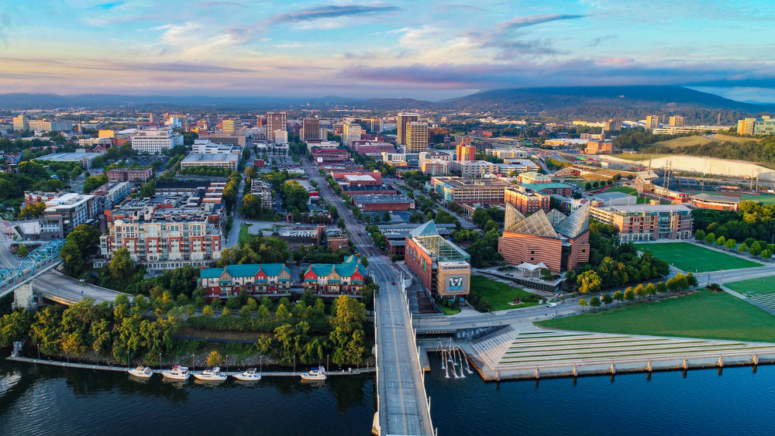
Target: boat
x=249 y=375
x=141 y=371
x=214 y=374
x=314 y=374
x=177 y=373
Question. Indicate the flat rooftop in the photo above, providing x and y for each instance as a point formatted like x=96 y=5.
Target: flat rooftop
x=457 y=182
x=718 y=198
x=651 y=208
x=201 y=157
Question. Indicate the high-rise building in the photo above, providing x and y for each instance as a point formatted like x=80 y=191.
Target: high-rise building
x=154 y=141
x=652 y=122
x=676 y=121
x=374 y=125
x=612 y=125
x=756 y=126
x=21 y=123
x=351 y=132
x=402 y=122
x=229 y=126
x=310 y=129
x=465 y=152
x=416 y=137
x=275 y=121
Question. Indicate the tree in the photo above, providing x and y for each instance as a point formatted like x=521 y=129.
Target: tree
x=743 y=248
x=662 y=288
x=121 y=268
x=699 y=235
x=755 y=249
x=583 y=303
x=618 y=296
x=588 y=282
x=364 y=261
x=640 y=291
x=766 y=254
x=208 y=311
x=650 y=290
x=386 y=216
x=731 y=243
x=607 y=299
x=341 y=224
x=629 y=295
x=72 y=258
x=721 y=241
x=214 y=359
x=22 y=251
x=594 y=303
x=710 y=238
x=692 y=281
x=480 y=217
x=33 y=210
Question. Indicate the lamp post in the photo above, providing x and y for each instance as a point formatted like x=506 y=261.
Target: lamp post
x=67 y=353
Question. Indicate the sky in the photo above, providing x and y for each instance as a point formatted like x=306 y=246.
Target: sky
x=414 y=49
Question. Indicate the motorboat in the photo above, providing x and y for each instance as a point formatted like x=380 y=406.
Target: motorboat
x=314 y=374
x=141 y=371
x=213 y=374
x=177 y=373
x=249 y=375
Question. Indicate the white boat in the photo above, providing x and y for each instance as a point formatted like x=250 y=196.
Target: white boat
x=214 y=374
x=249 y=375
x=177 y=373
x=141 y=371
x=314 y=374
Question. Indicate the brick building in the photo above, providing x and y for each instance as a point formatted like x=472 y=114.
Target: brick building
x=527 y=200
x=443 y=267
x=552 y=239
x=647 y=222
x=268 y=279
x=326 y=280
x=130 y=175
x=715 y=202
x=550 y=188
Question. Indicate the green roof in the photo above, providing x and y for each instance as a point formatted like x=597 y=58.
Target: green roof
x=542 y=186
x=250 y=270
x=344 y=270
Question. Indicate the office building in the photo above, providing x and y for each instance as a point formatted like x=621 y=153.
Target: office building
x=63 y=214
x=402 y=125
x=652 y=122
x=229 y=126
x=236 y=139
x=165 y=232
x=612 y=125
x=351 y=132
x=382 y=202
x=366 y=146
x=130 y=174
x=460 y=190
x=327 y=280
x=647 y=222
x=374 y=125
x=275 y=121
x=509 y=153
x=205 y=146
x=155 y=140
x=22 y=122
x=435 y=167
x=193 y=160
x=600 y=147
x=481 y=168
x=676 y=121
x=556 y=188
x=465 y=153
x=268 y=279
x=547 y=240
x=310 y=130
x=526 y=200
x=756 y=126
x=533 y=177
x=444 y=268
x=416 y=137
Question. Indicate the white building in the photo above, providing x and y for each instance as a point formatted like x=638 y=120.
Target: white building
x=205 y=146
x=351 y=132
x=280 y=136
x=63 y=214
x=324 y=145
x=174 y=123
x=156 y=140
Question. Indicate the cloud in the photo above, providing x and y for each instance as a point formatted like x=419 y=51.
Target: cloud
x=208 y=5
x=522 y=22
x=333 y=11
x=362 y=56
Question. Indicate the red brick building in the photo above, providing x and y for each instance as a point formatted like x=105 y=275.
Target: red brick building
x=557 y=241
x=340 y=175
x=130 y=175
x=442 y=267
x=715 y=202
x=526 y=200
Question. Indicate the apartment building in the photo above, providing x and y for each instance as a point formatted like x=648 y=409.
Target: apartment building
x=435 y=167
x=275 y=121
x=482 y=168
x=402 y=121
x=110 y=194
x=263 y=190
x=155 y=140
x=605 y=146
x=676 y=121
x=63 y=214
x=327 y=280
x=527 y=200
x=194 y=160
x=229 y=126
x=130 y=174
x=756 y=126
x=533 y=177
x=165 y=232
x=647 y=222
x=416 y=137
x=21 y=122
x=510 y=153
x=652 y=122
x=465 y=153
x=267 y=279
x=236 y=139
x=365 y=147
x=461 y=190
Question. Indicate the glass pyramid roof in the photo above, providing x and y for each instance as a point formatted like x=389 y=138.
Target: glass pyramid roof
x=513 y=216
x=556 y=217
x=536 y=225
x=577 y=223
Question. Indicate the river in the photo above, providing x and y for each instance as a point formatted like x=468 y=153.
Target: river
x=46 y=400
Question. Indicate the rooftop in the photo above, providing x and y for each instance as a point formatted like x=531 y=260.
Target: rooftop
x=651 y=208
x=201 y=157
x=458 y=182
x=542 y=186
x=719 y=198
x=381 y=198
x=427 y=237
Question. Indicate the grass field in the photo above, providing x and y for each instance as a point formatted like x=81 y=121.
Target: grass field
x=693 y=258
x=624 y=190
x=734 y=138
x=760 y=286
x=244 y=235
x=449 y=310
x=498 y=294
x=704 y=314
x=685 y=141
x=640 y=157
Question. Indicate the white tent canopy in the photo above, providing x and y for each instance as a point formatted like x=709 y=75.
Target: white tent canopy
x=530 y=268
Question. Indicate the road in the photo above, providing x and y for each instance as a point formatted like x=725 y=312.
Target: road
x=235 y=228
x=402 y=400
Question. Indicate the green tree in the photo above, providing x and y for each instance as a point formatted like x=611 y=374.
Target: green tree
x=710 y=238
x=755 y=249
x=14 y=326
x=607 y=299
x=583 y=303
x=594 y=303
x=766 y=254
x=341 y=224
x=699 y=235
x=364 y=261
x=662 y=288
x=33 y=210
x=72 y=259
x=743 y=248
x=214 y=359
x=692 y=281
x=640 y=291
x=208 y=311
x=121 y=268
x=629 y=295
x=618 y=296
x=651 y=290
x=22 y=251
x=721 y=241
x=731 y=244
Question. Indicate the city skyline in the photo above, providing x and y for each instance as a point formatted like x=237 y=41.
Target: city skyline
x=428 y=50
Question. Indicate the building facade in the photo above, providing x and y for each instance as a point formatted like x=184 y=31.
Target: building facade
x=63 y=214
x=647 y=222
x=326 y=280
x=416 y=137
x=130 y=174
x=154 y=141
x=527 y=200
x=442 y=267
x=402 y=121
x=460 y=190
x=310 y=130
x=715 y=202
x=258 y=280
x=275 y=121
x=194 y=160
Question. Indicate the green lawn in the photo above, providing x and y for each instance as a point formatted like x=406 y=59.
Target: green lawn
x=244 y=235
x=623 y=189
x=498 y=294
x=693 y=258
x=760 y=286
x=449 y=310
x=703 y=314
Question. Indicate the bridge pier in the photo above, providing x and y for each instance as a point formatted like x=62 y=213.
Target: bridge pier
x=23 y=298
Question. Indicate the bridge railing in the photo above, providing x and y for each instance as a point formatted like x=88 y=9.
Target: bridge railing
x=39 y=258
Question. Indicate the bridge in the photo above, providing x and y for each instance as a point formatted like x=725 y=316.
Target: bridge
x=37 y=274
